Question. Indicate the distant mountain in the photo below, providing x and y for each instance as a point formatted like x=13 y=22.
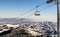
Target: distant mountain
x=29 y=23
x=51 y=25
x=46 y=26
x=14 y=20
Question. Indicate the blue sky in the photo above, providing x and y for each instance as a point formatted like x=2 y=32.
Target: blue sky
x=14 y=8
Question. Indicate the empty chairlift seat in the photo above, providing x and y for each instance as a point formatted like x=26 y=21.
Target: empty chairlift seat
x=37 y=13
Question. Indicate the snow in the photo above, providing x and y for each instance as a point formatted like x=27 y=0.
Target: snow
x=14 y=26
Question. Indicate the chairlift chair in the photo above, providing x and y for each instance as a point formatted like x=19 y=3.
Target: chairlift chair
x=37 y=13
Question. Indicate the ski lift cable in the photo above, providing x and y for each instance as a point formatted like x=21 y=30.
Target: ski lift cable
x=29 y=10
x=47 y=7
x=43 y=9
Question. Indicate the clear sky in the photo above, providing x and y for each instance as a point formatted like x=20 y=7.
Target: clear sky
x=14 y=8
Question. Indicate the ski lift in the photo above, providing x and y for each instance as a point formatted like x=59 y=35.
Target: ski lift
x=37 y=13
